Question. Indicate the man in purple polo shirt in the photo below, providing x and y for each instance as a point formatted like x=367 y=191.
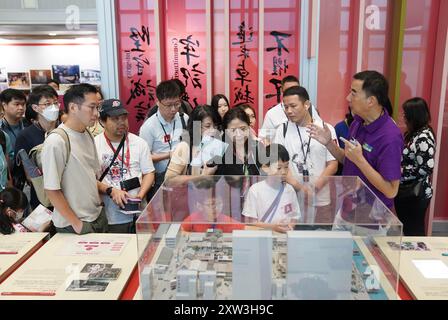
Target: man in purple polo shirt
x=374 y=150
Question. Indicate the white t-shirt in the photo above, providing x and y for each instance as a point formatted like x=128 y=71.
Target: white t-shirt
x=317 y=157
x=274 y=118
x=260 y=197
x=139 y=163
x=77 y=180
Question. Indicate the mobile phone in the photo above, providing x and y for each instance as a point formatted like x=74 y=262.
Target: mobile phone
x=132 y=205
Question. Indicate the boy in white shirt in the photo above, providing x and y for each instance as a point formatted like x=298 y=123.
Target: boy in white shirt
x=272 y=203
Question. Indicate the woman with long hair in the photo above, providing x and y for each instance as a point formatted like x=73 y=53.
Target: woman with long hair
x=240 y=157
x=250 y=111
x=220 y=105
x=417 y=165
x=184 y=160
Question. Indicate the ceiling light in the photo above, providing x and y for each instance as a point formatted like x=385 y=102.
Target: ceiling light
x=52 y=34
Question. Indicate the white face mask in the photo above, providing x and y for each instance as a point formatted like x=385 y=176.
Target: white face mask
x=51 y=113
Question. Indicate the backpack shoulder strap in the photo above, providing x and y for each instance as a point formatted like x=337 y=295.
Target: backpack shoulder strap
x=64 y=135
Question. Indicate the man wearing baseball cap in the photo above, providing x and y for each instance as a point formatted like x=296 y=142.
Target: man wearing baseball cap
x=126 y=166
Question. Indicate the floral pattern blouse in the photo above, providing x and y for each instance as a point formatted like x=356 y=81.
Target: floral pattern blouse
x=417 y=161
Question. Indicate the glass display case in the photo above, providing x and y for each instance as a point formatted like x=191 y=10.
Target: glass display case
x=255 y=237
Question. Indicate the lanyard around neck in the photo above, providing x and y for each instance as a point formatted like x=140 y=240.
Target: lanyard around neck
x=305 y=154
x=168 y=137
x=128 y=154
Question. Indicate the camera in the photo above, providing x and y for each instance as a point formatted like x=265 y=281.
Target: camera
x=132 y=205
x=130 y=184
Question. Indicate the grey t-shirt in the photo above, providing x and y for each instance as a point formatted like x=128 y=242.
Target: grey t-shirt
x=77 y=180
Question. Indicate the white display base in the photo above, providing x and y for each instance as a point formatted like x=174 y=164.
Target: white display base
x=419 y=286
x=55 y=267
x=23 y=243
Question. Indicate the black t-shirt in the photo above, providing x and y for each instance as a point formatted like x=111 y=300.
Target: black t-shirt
x=27 y=139
x=250 y=168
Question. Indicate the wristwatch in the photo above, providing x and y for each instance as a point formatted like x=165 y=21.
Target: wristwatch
x=109 y=191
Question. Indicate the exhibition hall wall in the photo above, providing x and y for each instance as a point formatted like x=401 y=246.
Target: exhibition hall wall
x=19 y=57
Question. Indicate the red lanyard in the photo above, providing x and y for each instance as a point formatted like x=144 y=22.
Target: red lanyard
x=128 y=153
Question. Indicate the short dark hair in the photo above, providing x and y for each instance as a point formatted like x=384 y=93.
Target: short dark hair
x=235 y=113
x=10 y=94
x=199 y=113
x=180 y=84
x=54 y=81
x=418 y=116
x=374 y=84
x=39 y=92
x=290 y=78
x=167 y=90
x=77 y=94
x=297 y=91
x=389 y=108
x=272 y=154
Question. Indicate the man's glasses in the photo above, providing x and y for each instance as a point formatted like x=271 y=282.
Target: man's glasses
x=175 y=105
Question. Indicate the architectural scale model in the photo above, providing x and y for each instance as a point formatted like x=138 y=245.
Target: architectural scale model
x=203 y=265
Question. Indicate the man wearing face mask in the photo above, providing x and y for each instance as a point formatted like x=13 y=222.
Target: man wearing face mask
x=70 y=179
x=42 y=110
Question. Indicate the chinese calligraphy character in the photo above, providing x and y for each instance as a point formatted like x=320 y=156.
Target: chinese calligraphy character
x=140 y=90
x=189 y=48
x=242 y=34
x=140 y=60
x=136 y=36
x=279 y=66
x=242 y=72
x=277 y=84
x=279 y=37
x=245 y=96
x=142 y=111
x=195 y=80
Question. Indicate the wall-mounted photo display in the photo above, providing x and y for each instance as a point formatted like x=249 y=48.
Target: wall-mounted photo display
x=67 y=74
x=3 y=79
x=19 y=80
x=39 y=77
x=3 y=76
x=91 y=76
